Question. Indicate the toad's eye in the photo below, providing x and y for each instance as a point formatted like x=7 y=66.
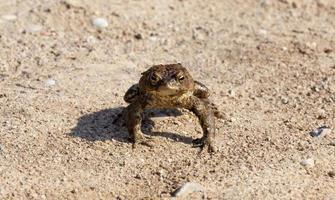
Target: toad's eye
x=180 y=78
x=154 y=78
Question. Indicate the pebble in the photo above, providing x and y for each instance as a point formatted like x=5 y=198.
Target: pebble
x=9 y=17
x=34 y=28
x=199 y=34
x=50 y=82
x=231 y=93
x=308 y=162
x=284 y=99
x=99 y=22
x=311 y=45
x=322 y=114
x=91 y=39
x=153 y=38
x=232 y=119
x=138 y=36
x=263 y=32
x=188 y=188
x=320 y=132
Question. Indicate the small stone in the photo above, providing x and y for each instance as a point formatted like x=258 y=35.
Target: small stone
x=322 y=114
x=50 y=82
x=311 y=45
x=263 y=32
x=187 y=188
x=34 y=28
x=232 y=119
x=199 y=34
x=327 y=50
x=153 y=38
x=138 y=36
x=284 y=100
x=320 y=132
x=231 y=93
x=91 y=39
x=9 y=17
x=308 y=162
x=99 y=22
x=315 y=88
x=138 y=176
x=331 y=174
x=161 y=174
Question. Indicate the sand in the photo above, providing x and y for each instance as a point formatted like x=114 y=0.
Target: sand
x=269 y=64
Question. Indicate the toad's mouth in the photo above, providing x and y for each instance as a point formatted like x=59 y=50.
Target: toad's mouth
x=169 y=90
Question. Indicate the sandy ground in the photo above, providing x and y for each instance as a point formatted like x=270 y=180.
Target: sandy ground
x=270 y=66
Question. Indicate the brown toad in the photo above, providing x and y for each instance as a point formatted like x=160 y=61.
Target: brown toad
x=170 y=86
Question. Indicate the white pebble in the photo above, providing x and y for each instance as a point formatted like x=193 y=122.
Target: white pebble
x=308 y=162
x=311 y=45
x=91 y=39
x=50 y=82
x=9 y=17
x=153 y=38
x=99 y=22
x=33 y=28
x=263 y=32
x=232 y=119
x=284 y=99
x=188 y=188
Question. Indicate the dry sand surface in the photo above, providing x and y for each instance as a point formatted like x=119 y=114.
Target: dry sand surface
x=269 y=64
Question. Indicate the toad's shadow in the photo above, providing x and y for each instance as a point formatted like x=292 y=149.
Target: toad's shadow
x=101 y=126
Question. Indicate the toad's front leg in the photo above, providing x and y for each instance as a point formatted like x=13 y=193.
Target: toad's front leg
x=207 y=122
x=133 y=117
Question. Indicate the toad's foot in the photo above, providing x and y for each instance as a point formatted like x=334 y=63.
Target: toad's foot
x=204 y=144
x=143 y=140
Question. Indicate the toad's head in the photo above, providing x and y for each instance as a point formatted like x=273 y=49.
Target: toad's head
x=167 y=80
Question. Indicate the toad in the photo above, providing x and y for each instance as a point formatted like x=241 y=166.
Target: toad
x=170 y=86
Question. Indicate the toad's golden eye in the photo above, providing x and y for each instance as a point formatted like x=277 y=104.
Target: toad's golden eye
x=180 y=78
